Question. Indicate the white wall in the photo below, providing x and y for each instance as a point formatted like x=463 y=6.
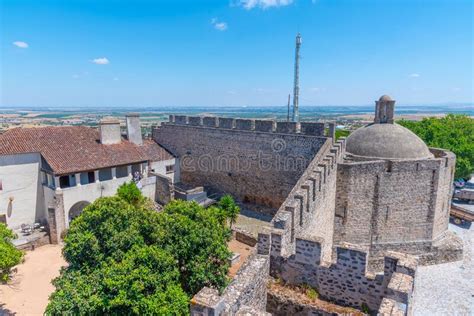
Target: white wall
x=21 y=182
x=160 y=168
x=91 y=192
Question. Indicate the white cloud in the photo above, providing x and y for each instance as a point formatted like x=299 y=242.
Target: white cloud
x=414 y=75
x=317 y=89
x=220 y=26
x=101 y=61
x=263 y=4
x=21 y=44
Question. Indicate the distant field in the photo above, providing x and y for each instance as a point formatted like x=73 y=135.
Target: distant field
x=348 y=116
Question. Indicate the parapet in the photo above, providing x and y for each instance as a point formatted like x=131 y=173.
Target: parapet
x=307 y=198
x=346 y=280
x=268 y=126
x=247 y=291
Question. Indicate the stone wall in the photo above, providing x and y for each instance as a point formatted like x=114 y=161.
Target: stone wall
x=369 y=213
x=346 y=280
x=309 y=208
x=164 y=189
x=307 y=128
x=247 y=291
x=256 y=167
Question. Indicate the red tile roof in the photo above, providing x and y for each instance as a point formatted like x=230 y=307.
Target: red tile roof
x=71 y=149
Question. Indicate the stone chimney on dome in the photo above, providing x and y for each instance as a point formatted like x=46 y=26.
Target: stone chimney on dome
x=110 y=132
x=134 y=130
x=384 y=109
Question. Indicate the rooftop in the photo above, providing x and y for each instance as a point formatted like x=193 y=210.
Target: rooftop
x=71 y=149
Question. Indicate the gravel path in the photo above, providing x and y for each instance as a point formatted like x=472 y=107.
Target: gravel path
x=447 y=289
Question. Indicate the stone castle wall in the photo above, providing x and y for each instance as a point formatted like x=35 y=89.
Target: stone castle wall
x=397 y=205
x=309 y=208
x=248 y=290
x=346 y=280
x=246 y=158
x=164 y=191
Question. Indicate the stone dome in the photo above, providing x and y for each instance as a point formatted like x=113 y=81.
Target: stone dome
x=387 y=141
x=385 y=98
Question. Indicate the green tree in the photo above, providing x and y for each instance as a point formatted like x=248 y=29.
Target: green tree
x=453 y=132
x=146 y=282
x=342 y=133
x=9 y=255
x=126 y=258
x=130 y=193
x=198 y=240
x=230 y=208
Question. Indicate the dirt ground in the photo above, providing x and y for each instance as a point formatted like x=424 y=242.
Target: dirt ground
x=242 y=249
x=27 y=293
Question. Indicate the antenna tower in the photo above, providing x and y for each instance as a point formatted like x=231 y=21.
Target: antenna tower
x=296 y=86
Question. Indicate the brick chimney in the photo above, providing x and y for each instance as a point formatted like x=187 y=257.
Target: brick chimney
x=110 y=132
x=134 y=130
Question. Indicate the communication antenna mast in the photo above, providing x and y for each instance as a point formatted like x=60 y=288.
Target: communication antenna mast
x=288 y=114
x=296 y=86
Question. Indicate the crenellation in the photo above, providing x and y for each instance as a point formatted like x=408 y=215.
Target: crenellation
x=312 y=128
x=265 y=125
x=195 y=120
x=347 y=280
x=224 y=122
x=263 y=243
x=245 y=124
x=276 y=244
x=209 y=121
x=286 y=127
x=332 y=131
x=181 y=119
x=308 y=251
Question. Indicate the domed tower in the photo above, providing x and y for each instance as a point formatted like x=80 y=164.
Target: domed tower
x=393 y=192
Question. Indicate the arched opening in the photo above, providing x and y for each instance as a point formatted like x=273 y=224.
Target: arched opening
x=76 y=209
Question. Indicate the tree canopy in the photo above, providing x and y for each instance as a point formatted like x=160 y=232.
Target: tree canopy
x=453 y=132
x=9 y=255
x=126 y=258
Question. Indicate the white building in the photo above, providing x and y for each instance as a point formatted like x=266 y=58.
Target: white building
x=49 y=174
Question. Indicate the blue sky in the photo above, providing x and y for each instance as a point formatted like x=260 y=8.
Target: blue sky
x=239 y=52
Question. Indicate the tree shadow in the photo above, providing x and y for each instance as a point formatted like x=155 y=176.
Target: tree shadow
x=5 y=311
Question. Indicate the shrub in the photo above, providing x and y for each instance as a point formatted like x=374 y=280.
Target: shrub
x=230 y=208
x=312 y=294
x=9 y=255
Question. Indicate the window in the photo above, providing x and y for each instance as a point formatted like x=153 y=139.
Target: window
x=121 y=172
x=170 y=169
x=136 y=168
x=64 y=182
x=91 y=176
x=87 y=177
x=105 y=174
x=44 y=178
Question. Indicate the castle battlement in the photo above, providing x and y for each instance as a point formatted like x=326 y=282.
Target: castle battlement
x=267 y=126
x=345 y=280
x=308 y=204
